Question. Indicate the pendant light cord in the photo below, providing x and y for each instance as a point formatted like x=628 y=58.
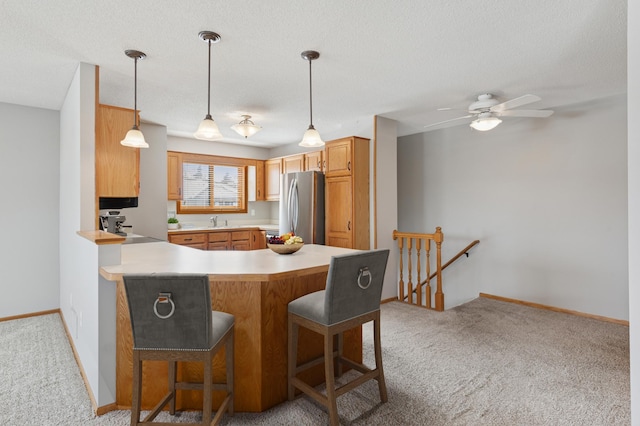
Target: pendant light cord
x=135 y=92
x=310 y=98
x=209 y=82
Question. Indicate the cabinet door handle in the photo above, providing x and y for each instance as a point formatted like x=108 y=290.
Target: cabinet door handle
x=349 y=226
x=349 y=166
x=258 y=192
x=188 y=239
x=180 y=191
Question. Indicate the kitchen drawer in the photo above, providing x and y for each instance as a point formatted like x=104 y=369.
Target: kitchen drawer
x=240 y=235
x=218 y=237
x=185 y=239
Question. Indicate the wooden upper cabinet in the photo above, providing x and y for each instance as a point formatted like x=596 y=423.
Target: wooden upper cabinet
x=117 y=166
x=338 y=157
x=293 y=163
x=347 y=193
x=272 y=173
x=313 y=161
x=174 y=176
x=260 y=192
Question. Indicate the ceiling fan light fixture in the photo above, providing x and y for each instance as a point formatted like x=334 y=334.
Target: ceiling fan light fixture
x=208 y=129
x=485 y=123
x=134 y=137
x=246 y=127
x=311 y=137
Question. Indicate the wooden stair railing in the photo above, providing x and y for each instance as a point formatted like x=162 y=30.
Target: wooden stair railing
x=414 y=294
x=409 y=239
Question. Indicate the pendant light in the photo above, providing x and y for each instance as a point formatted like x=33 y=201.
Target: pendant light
x=311 y=137
x=208 y=129
x=134 y=137
x=246 y=127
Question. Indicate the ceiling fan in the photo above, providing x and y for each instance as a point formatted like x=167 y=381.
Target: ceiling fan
x=487 y=110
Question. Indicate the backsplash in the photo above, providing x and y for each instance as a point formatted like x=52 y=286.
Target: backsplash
x=259 y=212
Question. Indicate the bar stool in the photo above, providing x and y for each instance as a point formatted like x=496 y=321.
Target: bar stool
x=350 y=299
x=172 y=320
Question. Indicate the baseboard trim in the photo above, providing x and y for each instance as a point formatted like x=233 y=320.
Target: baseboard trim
x=391 y=299
x=106 y=408
x=94 y=405
x=32 y=314
x=555 y=309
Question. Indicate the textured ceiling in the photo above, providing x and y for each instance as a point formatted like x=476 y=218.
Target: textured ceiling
x=401 y=59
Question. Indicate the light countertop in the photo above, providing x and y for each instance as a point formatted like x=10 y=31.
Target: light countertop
x=253 y=265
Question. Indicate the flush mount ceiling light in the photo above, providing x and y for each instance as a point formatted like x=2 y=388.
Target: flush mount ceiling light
x=311 y=137
x=208 y=129
x=134 y=137
x=246 y=127
x=485 y=121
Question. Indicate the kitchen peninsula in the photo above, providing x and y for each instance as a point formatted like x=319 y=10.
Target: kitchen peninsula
x=256 y=287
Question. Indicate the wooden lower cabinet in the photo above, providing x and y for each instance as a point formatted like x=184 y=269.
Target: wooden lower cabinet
x=258 y=240
x=194 y=240
x=241 y=239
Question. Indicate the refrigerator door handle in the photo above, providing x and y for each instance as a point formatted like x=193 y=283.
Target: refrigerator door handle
x=295 y=207
x=291 y=200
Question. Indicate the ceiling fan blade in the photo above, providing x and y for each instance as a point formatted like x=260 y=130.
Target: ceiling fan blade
x=449 y=121
x=514 y=103
x=540 y=113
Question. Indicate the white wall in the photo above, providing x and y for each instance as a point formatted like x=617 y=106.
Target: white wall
x=29 y=173
x=150 y=218
x=546 y=198
x=85 y=307
x=633 y=46
x=386 y=198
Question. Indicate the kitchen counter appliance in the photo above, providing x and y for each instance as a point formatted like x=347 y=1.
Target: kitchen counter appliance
x=112 y=222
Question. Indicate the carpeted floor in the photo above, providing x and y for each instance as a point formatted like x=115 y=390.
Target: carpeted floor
x=483 y=363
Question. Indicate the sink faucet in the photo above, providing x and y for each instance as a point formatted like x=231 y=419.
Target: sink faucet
x=214 y=220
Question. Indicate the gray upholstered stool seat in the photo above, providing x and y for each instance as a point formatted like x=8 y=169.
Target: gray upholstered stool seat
x=172 y=320
x=350 y=299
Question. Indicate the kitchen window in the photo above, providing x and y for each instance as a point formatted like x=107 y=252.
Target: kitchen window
x=212 y=184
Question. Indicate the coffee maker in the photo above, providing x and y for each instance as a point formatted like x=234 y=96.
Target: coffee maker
x=112 y=222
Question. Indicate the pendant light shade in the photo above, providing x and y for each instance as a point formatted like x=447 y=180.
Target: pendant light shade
x=311 y=137
x=485 y=121
x=208 y=129
x=134 y=137
x=246 y=127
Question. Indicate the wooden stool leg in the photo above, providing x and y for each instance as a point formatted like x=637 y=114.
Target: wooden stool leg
x=339 y=365
x=136 y=394
x=332 y=406
x=382 y=387
x=292 y=356
x=229 y=365
x=172 y=386
x=206 y=389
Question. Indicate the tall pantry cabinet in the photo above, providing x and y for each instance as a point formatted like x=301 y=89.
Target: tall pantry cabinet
x=347 y=193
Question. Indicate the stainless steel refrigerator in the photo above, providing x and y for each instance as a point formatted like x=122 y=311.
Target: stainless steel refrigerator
x=302 y=206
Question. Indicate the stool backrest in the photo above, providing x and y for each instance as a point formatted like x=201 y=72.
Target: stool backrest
x=354 y=284
x=169 y=311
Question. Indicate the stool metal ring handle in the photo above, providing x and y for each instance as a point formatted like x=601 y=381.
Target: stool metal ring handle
x=364 y=272
x=164 y=298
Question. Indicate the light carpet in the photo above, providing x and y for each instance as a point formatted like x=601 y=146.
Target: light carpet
x=482 y=363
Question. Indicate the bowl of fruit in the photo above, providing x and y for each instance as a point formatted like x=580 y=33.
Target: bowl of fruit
x=285 y=244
